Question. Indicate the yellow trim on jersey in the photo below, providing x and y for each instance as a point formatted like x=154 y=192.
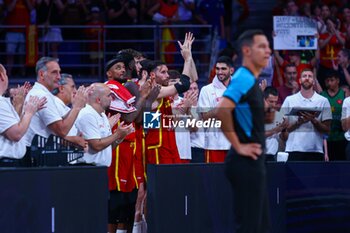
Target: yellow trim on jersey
x=157 y=155
x=160 y=130
x=207 y=156
x=133 y=144
x=116 y=167
x=144 y=155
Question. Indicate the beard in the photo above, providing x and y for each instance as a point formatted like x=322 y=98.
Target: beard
x=307 y=85
x=224 y=78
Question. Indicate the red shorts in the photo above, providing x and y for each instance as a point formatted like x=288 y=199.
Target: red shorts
x=162 y=156
x=121 y=174
x=215 y=156
x=185 y=161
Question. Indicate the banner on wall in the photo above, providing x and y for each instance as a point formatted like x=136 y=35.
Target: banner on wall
x=294 y=33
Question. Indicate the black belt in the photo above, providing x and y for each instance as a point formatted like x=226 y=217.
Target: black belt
x=7 y=162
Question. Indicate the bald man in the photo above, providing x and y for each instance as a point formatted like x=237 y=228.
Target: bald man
x=95 y=127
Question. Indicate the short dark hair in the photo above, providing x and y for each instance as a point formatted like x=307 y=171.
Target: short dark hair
x=332 y=74
x=149 y=65
x=133 y=52
x=289 y=65
x=224 y=59
x=270 y=91
x=247 y=37
x=306 y=69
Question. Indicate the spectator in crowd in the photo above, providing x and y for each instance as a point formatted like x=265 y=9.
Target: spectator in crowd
x=290 y=85
x=145 y=5
x=13 y=126
x=18 y=14
x=342 y=66
x=95 y=32
x=321 y=23
x=185 y=15
x=267 y=74
x=275 y=132
x=336 y=142
x=211 y=12
x=292 y=8
x=121 y=12
x=330 y=43
x=306 y=10
x=216 y=145
x=73 y=14
x=295 y=58
x=334 y=9
x=165 y=11
x=316 y=13
x=48 y=120
x=345 y=25
x=49 y=14
x=307 y=128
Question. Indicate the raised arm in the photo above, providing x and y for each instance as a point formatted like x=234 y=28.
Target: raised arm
x=189 y=69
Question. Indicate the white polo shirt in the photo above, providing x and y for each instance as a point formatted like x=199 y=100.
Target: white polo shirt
x=94 y=126
x=43 y=117
x=197 y=137
x=345 y=113
x=272 y=142
x=64 y=110
x=306 y=138
x=209 y=97
x=182 y=136
x=8 y=118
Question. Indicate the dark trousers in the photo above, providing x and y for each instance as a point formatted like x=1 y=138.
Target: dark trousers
x=270 y=157
x=197 y=155
x=23 y=162
x=250 y=198
x=347 y=151
x=305 y=156
x=336 y=150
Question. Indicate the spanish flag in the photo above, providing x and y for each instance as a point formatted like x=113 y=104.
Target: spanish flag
x=168 y=47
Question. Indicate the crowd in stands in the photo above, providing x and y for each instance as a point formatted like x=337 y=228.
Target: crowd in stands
x=56 y=17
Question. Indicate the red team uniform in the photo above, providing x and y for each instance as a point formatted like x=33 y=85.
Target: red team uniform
x=161 y=143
